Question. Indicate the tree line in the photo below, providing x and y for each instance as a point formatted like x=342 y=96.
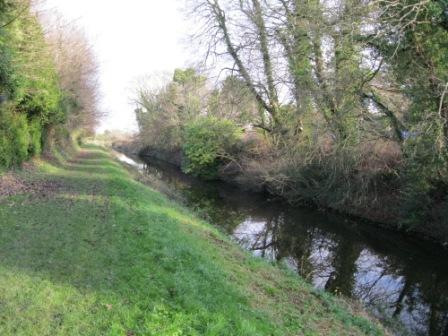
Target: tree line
x=48 y=83
x=343 y=104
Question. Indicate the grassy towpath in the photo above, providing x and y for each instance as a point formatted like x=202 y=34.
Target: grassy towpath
x=87 y=250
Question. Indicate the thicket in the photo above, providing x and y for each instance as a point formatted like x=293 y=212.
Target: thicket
x=208 y=142
x=36 y=104
x=344 y=104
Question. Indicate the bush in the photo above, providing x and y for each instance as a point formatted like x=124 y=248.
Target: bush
x=14 y=137
x=35 y=130
x=21 y=138
x=424 y=179
x=209 y=141
x=41 y=87
x=5 y=150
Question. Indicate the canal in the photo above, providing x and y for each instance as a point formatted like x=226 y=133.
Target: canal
x=394 y=276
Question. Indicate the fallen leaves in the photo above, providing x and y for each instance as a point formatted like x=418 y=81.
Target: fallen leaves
x=11 y=184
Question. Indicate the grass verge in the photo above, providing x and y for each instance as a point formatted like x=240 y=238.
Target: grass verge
x=87 y=250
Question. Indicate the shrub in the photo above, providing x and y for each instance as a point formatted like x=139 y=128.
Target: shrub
x=35 y=130
x=5 y=150
x=14 y=137
x=424 y=179
x=21 y=137
x=209 y=141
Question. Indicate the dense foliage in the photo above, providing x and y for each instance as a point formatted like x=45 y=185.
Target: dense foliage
x=208 y=142
x=344 y=103
x=33 y=99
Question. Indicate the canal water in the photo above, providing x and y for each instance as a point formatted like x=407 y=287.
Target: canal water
x=393 y=276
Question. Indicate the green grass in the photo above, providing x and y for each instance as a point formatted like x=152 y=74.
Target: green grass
x=93 y=252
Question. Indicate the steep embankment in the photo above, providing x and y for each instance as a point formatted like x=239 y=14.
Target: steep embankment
x=86 y=250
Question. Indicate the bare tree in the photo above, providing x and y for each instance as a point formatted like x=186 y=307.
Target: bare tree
x=238 y=30
x=77 y=68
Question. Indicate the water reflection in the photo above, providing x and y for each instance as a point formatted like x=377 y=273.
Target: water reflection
x=393 y=276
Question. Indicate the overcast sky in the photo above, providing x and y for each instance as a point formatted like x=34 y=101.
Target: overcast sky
x=131 y=39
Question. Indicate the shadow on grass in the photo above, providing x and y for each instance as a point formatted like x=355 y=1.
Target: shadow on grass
x=128 y=251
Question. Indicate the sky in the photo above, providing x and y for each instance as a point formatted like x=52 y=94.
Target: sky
x=132 y=39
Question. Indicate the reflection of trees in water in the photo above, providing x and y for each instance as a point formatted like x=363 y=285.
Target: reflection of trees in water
x=259 y=236
x=403 y=293
x=345 y=255
x=299 y=247
x=379 y=282
x=342 y=264
x=408 y=291
x=224 y=216
x=266 y=240
x=438 y=297
x=204 y=197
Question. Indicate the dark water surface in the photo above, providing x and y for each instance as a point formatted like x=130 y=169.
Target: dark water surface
x=392 y=275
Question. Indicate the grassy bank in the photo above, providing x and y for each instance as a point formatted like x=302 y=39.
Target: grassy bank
x=87 y=250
